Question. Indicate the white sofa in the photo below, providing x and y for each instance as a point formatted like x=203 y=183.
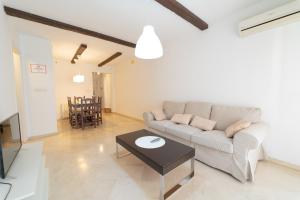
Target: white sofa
x=237 y=156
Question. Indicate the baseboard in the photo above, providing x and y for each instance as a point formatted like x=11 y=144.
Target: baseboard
x=62 y=118
x=41 y=136
x=283 y=163
x=129 y=117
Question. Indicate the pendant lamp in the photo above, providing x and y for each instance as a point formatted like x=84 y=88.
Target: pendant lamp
x=78 y=78
x=148 y=45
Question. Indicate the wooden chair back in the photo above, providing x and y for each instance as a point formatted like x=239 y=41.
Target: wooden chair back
x=69 y=102
x=77 y=100
x=88 y=106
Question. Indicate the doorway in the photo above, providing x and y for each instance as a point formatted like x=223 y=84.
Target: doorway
x=102 y=87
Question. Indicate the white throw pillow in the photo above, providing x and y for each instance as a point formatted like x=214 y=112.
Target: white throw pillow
x=202 y=123
x=182 y=118
x=159 y=114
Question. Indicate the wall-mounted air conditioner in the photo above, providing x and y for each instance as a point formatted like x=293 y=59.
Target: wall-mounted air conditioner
x=280 y=16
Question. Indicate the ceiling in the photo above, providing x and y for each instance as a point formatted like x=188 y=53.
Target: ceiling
x=115 y=18
x=65 y=43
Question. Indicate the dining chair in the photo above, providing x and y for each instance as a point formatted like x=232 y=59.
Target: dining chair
x=77 y=109
x=88 y=112
x=98 y=103
x=77 y=100
x=100 y=110
x=72 y=114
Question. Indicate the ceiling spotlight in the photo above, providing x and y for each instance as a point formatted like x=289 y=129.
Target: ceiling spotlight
x=78 y=53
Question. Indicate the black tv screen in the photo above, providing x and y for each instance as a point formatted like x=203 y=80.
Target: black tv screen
x=10 y=141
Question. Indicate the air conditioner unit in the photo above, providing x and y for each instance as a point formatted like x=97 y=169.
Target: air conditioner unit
x=280 y=16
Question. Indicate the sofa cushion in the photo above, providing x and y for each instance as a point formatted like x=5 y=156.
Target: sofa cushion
x=227 y=115
x=159 y=114
x=201 y=109
x=160 y=125
x=182 y=118
x=182 y=131
x=202 y=123
x=170 y=108
x=236 y=127
x=215 y=140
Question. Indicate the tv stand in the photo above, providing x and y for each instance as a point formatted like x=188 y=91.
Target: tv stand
x=28 y=175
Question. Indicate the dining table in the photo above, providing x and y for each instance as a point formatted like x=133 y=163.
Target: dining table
x=78 y=110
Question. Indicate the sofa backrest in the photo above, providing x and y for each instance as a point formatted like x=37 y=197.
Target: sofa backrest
x=170 y=108
x=201 y=109
x=226 y=115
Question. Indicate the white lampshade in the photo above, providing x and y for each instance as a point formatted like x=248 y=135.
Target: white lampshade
x=78 y=78
x=148 y=45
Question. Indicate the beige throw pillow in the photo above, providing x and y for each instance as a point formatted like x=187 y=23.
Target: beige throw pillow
x=236 y=127
x=159 y=114
x=182 y=118
x=202 y=123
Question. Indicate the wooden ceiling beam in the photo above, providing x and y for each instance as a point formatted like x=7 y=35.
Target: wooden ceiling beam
x=57 y=24
x=110 y=59
x=184 y=13
x=78 y=53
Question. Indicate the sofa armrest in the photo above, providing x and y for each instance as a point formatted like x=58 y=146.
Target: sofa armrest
x=252 y=136
x=148 y=117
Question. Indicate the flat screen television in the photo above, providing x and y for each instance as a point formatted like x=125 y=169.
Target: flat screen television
x=10 y=142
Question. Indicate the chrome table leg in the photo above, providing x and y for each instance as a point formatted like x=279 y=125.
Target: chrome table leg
x=118 y=154
x=162 y=188
x=183 y=181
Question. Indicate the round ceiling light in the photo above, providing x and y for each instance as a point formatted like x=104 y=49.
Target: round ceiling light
x=78 y=78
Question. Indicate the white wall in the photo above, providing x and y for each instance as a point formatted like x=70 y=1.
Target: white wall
x=286 y=140
x=8 y=105
x=64 y=85
x=20 y=96
x=220 y=67
x=37 y=88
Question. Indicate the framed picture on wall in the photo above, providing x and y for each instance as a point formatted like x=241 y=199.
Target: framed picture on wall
x=38 y=68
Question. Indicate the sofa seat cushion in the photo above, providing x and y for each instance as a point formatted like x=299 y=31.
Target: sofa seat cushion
x=160 y=125
x=182 y=131
x=214 y=139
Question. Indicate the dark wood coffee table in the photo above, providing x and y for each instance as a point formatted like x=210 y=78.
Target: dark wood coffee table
x=162 y=159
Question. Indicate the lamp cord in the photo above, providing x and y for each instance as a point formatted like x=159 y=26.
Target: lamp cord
x=10 y=186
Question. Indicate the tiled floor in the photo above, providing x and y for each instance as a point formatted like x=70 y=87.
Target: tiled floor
x=82 y=166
